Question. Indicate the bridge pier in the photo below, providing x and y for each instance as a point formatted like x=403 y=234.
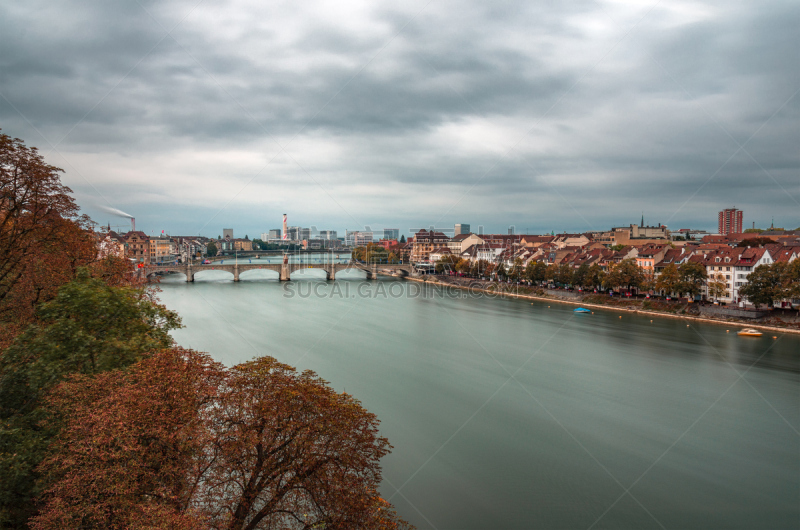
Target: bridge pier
x=285 y=272
x=236 y=273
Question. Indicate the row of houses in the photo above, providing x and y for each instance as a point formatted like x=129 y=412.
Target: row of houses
x=141 y=248
x=722 y=257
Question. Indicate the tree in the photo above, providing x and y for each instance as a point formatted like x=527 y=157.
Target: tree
x=717 y=286
x=595 y=276
x=463 y=266
x=579 y=276
x=446 y=264
x=535 y=271
x=764 y=285
x=755 y=242
x=255 y=446
x=667 y=282
x=551 y=272
x=211 y=249
x=791 y=279
x=626 y=273
x=89 y=327
x=403 y=238
x=564 y=274
x=43 y=240
x=516 y=271
x=154 y=413
x=692 y=277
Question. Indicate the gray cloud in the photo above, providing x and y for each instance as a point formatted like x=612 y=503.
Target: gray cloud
x=547 y=115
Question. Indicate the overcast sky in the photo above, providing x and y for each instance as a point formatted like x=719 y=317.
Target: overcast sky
x=198 y=115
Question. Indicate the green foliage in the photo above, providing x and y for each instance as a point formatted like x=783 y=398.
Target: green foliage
x=755 y=242
x=626 y=273
x=535 y=271
x=768 y=283
x=402 y=239
x=211 y=249
x=717 y=286
x=580 y=274
x=89 y=327
x=669 y=279
x=595 y=276
x=692 y=276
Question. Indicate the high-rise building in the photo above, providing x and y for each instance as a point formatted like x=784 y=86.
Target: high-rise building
x=327 y=234
x=391 y=233
x=227 y=233
x=275 y=233
x=303 y=234
x=730 y=221
x=461 y=228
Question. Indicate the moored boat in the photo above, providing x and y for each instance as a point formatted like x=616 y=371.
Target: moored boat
x=750 y=333
x=582 y=310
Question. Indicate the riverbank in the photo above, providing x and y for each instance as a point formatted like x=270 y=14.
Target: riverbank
x=680 y=311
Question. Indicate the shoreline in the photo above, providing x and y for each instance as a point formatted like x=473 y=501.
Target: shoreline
x=611 y=308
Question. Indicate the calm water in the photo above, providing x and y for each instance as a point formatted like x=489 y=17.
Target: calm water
x=505 y=414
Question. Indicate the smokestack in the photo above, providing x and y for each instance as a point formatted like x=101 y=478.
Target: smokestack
x=133 y=224
x=285 y=228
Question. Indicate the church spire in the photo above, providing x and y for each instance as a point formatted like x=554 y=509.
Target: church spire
x=642 y=219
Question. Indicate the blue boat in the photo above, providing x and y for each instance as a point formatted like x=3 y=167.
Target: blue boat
x=582 y=310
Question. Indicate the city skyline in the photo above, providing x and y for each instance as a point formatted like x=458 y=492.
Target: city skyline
x=545 y=117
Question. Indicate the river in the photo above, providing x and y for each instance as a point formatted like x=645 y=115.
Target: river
x=506 y=414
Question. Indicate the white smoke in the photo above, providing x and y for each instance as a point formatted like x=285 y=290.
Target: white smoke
x=115 y=211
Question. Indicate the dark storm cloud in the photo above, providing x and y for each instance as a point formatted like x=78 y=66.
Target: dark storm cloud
x=539 y=114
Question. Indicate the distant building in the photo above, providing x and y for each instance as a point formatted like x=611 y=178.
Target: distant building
x=327 y=234
x=275 y=233
x=391 y=233
x=227 y=233
x=357 y=238
x=730 y=221
x=303 y=234
x=461 y=228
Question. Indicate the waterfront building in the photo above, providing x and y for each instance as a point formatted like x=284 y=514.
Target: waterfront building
x=729 y=221
x=162 y=249
x=424 y=242
x=137 y=246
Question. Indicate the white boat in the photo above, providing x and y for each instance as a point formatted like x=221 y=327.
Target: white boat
x=750 y=333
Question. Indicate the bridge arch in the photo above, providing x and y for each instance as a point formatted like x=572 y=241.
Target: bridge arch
x=351 y=273
x=254 y=275
x=312 y=273
x=213 y=275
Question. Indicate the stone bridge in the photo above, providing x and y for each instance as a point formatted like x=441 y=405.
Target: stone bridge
x=284 y=270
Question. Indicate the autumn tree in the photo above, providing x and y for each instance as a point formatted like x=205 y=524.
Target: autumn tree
x=579 y=276
x=535 y=271
x=765 y=285
x=43 y=240
x=254 y=447
x=132 y=446
x=692 y=277
x=564 y=274
x=595 y=276
x=626 y=273
x=717 y=286
x=668 y=280
x=88 y=328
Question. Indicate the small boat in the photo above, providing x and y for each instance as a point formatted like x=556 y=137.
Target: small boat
x=582 y=310
x=750 y=333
